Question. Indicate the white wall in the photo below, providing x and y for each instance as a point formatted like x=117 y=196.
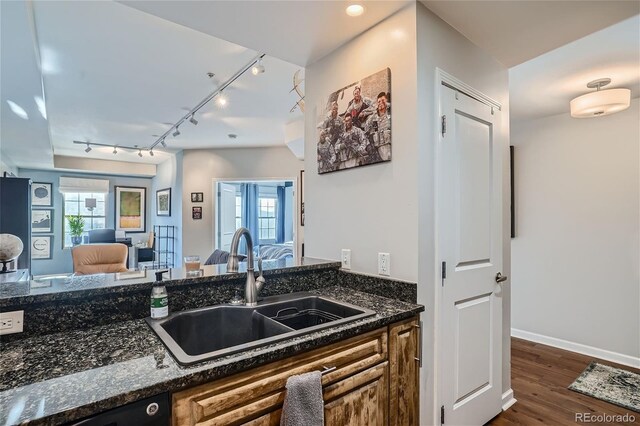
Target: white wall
x=5 y=166
x=441 y=46
x=576 y=254
x=169 y=175
x=201 y=167
x=374 y=208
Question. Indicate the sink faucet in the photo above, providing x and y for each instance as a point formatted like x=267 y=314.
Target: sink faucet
x=253 y=285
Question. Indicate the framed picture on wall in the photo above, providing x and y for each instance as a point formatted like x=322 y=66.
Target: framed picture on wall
x=42 y=221
x=131 y=208
x=196 y=213
x=41 y=247
x=197 y=197
x=163 y=202
x=41 y=194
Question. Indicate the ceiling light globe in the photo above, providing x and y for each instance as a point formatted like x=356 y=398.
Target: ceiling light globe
x=354 y=10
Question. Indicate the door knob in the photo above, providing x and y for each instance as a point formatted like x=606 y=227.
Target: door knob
x=500 y=278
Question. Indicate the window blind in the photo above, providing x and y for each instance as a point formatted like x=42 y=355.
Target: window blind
x=80 y=185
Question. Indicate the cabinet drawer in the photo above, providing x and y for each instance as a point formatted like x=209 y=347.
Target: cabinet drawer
x=256 y=396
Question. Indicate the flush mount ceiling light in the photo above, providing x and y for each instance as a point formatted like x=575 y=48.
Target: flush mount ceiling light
x=354 y=10
x=258 y=68
x=600 y=102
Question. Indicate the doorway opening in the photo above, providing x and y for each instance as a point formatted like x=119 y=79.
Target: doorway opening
x=266 y=207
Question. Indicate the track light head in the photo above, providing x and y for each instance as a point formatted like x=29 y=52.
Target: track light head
x=193 y=121
x=151 y=152
x=176 y=133
x=115 y=150
x=221 y=100
x=139 y=153
x=163 y=143
x=87 y=149
x=257 y=68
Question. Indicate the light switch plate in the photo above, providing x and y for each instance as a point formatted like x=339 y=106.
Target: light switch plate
x=384 y=264
x=346 y=259
x=11 y=322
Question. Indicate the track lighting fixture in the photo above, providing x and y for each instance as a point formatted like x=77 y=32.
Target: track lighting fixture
x=222 y=100
x=151 y=153
x=258 y=68
x=88 y=148
x=139 y=153
x=115 y=150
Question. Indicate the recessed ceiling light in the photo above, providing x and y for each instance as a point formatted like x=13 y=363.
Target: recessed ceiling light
x=18 y=110
x=355 y=10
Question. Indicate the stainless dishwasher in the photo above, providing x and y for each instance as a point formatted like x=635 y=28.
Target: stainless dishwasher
x=152 y=411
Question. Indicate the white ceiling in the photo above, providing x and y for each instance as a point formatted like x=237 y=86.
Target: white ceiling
x=544 y=86
x=300 y=32
x=518 y=30
x=22 y=142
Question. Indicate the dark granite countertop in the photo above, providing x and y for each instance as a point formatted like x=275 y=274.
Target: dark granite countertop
x=12 y=294
x=57 y=378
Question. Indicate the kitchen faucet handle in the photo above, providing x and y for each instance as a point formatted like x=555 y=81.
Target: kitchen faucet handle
x=260 y=265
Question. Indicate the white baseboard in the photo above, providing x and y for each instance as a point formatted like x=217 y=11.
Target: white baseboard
x=508 y=400
x=578 y=347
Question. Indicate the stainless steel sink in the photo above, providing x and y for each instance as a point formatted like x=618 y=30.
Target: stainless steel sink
x=206 y=333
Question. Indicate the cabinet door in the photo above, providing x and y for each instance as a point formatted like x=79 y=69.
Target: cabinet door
x=404 y=386
x=360 y=400
x=256 y=396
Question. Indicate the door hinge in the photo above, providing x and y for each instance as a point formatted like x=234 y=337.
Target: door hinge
x=444 y=272
x=444 y=125
x=442 y=415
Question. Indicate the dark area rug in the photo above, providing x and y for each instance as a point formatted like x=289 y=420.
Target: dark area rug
x=614 y=385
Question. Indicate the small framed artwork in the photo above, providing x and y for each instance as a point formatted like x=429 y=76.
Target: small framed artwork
x=41 y=194
x=197 y=197
x=196 y=213
x=42 y=221
x=131 y=208
x=41 y=247
x=163 y=202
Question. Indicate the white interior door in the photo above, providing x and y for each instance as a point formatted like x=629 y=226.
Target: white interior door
x=470 y=247
x=227 y=219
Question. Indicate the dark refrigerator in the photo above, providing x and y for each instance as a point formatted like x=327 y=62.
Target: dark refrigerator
x=15 y=214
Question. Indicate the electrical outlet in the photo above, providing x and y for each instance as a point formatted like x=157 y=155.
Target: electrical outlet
x=346 y=259
x=11 y=322
x=384 y=264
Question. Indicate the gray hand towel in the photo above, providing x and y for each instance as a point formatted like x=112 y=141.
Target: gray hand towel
x=303 y=404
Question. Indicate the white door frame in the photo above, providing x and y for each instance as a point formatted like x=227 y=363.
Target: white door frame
x=296 y=227
x=444 y=78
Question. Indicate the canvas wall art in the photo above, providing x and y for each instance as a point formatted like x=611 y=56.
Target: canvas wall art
x=354 y=124
x=130 y=208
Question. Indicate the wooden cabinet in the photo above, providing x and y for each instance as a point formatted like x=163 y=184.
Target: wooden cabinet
x=404 y=365
x=357 y=392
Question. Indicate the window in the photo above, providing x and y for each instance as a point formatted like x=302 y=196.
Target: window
x=74 y=204
x=238 y=211
x=267 y=219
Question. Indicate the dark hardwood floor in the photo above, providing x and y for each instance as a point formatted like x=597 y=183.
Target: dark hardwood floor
x=540 y=376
